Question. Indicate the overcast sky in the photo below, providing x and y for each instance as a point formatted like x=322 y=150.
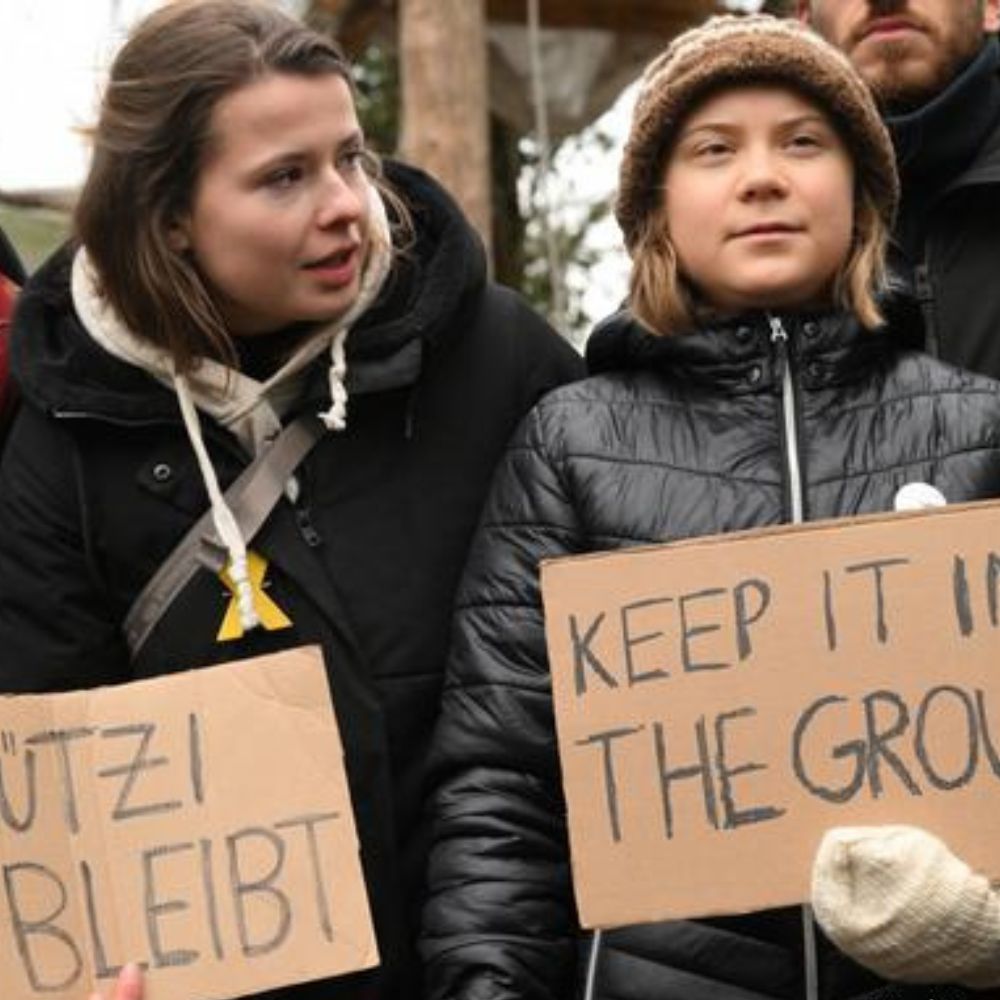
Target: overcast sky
x=52 y=53
x=53 y=57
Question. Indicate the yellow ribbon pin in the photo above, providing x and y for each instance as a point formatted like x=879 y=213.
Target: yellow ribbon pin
x=271 y=616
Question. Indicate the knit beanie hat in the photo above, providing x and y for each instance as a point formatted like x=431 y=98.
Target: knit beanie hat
x=898 y=901
x=733 y=50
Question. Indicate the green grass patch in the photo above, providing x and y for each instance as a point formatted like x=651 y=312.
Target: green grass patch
x=35 y=232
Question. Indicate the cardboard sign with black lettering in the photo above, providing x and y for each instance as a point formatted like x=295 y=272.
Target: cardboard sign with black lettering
x=200 y=824
x=721 y=702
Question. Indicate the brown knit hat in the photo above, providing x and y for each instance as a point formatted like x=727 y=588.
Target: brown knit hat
x=732 y=50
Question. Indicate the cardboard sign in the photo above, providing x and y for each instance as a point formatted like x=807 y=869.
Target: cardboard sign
x=721 y=702
x=199 y=823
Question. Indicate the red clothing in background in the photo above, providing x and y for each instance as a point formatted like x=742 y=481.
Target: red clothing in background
x=8 y=395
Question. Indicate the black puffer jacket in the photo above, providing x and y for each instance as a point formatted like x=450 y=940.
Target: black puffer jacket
x=99 y=482
x=680 y=437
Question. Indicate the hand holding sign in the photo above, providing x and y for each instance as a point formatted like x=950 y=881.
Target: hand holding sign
x=128 y=986
x=199 y=824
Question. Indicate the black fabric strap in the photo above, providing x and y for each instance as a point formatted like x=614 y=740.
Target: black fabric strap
x=251 y=497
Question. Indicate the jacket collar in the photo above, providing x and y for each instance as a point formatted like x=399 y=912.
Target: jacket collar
x=939 y=142
x=738 y=354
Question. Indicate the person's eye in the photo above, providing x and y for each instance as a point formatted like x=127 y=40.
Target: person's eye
x=805 y=142
x=283 y=178
x=353 y=160
x=711 y=149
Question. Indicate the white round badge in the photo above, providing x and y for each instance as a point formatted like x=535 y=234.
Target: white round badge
x=918 y=496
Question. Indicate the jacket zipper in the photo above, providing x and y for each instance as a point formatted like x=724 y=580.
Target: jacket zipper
x=303 y=518
x=789 y=416
x=302 y=509
x=590 y=985
x=779 y=337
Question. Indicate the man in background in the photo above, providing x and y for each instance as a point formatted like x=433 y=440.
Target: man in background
x=934 y=66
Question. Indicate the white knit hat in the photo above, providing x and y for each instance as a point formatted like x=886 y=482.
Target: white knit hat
x=896 y=900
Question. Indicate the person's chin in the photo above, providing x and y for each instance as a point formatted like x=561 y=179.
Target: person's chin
x=901 y=85
x=332 y=311
x=329 y=299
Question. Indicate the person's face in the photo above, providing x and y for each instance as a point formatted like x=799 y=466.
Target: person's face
x=906 y=50
x=278 y=224
x=759 y=200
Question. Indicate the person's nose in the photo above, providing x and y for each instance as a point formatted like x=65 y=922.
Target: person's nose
x=881 y=8
x=339 y=202
x=762 y=175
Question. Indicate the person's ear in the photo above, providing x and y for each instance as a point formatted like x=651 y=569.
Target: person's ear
x=804 y=10
x=178 y=236
x=991 y=15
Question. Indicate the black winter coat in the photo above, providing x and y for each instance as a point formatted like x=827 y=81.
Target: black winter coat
x=680 y=437
x=99 y=483
x=947 y=235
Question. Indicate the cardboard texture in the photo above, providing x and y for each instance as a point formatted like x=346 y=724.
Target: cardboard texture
x=721 y=702
x=200 y=823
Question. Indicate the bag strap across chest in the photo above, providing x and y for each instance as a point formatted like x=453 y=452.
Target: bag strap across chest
x=251 y=497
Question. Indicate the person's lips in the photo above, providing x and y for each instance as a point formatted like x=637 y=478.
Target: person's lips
x=338 y=267
x=887 y=27
x=763 y=230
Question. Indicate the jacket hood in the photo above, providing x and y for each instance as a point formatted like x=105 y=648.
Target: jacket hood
x=61 y=369
x=441 y=271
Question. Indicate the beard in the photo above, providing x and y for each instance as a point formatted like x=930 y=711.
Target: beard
x=906 y=73
x=902 y=82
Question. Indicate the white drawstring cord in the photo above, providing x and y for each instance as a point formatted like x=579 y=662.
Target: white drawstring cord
x=335 y=416
x=376 y=270
x=225 y=523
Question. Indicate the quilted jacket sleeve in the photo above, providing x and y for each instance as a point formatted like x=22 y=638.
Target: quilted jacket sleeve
x=500 y=920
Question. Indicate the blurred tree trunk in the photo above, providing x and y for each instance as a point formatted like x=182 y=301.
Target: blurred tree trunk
x=443 y=77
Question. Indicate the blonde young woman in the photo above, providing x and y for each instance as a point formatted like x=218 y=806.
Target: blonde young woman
x=760 y=375
x=241 y=260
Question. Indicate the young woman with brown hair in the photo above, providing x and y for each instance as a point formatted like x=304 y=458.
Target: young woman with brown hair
x=241 y=260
